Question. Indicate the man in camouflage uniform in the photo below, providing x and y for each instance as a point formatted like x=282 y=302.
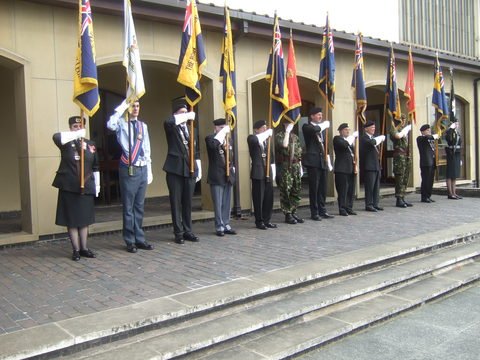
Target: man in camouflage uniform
x=288 y=153
x=401 y=160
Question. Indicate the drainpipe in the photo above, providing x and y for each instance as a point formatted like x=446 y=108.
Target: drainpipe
x=476 y=131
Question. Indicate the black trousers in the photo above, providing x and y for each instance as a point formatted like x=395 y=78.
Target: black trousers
x=428 y=175
x=372 y=188
x=262 y=194
x=344 y=183
x=317 y=190
x=181 y=190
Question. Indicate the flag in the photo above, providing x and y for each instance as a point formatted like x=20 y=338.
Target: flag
x=439 y=99
x=410 y=89
x=391 y=90
x=227 y=72
x=452 y=98
x=326 y=82
x=294 y=98
x=276 y=76
x=358 y=81
x=85 y=83
x=131 y=58
x=192 y=55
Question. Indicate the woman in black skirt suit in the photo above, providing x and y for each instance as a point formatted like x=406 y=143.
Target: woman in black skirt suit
x=75 y=209
x=454 y=142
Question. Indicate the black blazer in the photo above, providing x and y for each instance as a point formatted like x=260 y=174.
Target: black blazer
x=259 y=158
x=343 y=156
x=314 y=155
x=216 y=162
x=369 y=154
x=426 y=150
x=177 y=161
x=68 y=173
x=453 y=139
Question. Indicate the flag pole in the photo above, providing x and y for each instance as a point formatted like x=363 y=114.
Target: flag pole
x=267 y=165
x=192 y=143
x=383 y=128
x=227 y=149
x=82 y=155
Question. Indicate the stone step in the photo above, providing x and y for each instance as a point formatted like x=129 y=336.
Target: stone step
x=298 y=304
x=90 y=330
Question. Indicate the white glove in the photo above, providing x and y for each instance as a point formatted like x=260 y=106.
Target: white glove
x=191 y=115
x=289 y=128
x=96 y=177
x=301 y=170
x=180 y=118
x=67 y=136
x=112 y=123
x=264 y=135
x=405 y=131
x=220 y=136
x=453 y=125
x=120 y=109
x=199 y=166
x=350 y=139
x=330 y=167
x=435 y=136
x=355 y=134
x=149 y=173
x=273 y=171
x=379 y=139
x=325 y=125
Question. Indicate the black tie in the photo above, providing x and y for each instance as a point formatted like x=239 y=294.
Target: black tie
x=185 y=133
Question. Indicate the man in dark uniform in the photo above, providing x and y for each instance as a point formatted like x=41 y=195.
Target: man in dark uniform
x=288 y=155
x=220 y=184
x=370 y=164
x=401 y=160
x=181 y=184
x=426 y=149
x=345 y=169
x=262 y=188
x=316 y=163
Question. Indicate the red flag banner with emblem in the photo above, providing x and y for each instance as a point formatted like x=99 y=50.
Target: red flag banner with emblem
x=294 y=98
x=410 y=89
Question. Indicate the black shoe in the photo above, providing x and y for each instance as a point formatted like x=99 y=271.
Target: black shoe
x=144 y=246
x=299 y=219
x=428 y=201
x=327 y=216
x=191 y=237
x=271 y=226
x=131 y=248
x=459 y=197
x=351 y=212
x=407 y=203
x=316 y=218
x=230 y=232
x=452 y=197
x=343 y=212
x=261 y=226
x=431 y=200
x=378 y=208
x=371 y=209
x=400 y=203
x=289 y=219
x=220 y=233
x=75 y=255
x=88 y=253
x=179 y=239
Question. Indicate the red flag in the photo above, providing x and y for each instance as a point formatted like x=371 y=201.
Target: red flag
x=294 y=98
x=410 y=89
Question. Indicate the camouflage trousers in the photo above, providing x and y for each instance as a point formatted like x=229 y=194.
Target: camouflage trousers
x=401 y=169
x=289 y=183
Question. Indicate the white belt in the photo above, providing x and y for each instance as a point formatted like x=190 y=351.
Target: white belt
x=140 y=163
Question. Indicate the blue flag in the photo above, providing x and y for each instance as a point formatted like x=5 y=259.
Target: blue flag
x=358 y=81
x=227 y=73
x=439 y=99
x=391 y=90
x=276 y=76
x=326 y=82
x=85 y=83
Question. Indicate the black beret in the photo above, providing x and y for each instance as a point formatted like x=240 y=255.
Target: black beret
x=369 y=123
x=258 y=124
x=342 y=126
x=179 y=103
x=218 y=122
x=315 y=110
x=75 y=120
x=425 y=127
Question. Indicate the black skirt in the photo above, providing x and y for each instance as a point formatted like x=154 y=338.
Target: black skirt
x=74 y=210
x=453 y=165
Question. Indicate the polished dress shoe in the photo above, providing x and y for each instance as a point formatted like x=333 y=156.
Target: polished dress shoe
x=343 y=212
x=400 y=203
x=131 y=248
x=220 y=233
x=191 y=237
x=378 y=208
x=144 y=246
x=351 y=212
x=452 y=197
x=431 y=200
x=179 y=239
x=88 y=253
x=459 y=197
x=75 y=255
x=327 y=216
x=299 y=219
x=230 y=232
x=261 y=226
x=316 y=218
x=289 y=219
x=271 y=226
x=428 y=201
x=371 y=209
